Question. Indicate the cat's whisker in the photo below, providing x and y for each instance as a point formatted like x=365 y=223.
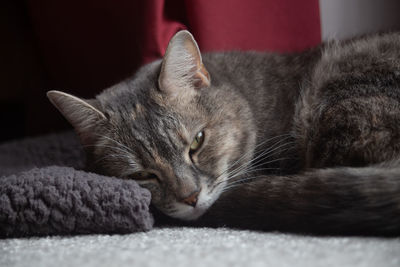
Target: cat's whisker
x=117 y=143
x=249 y=171
x=115 y=156
x=258 y=147
x=229 y=170
x=127 y=153
x=246 y=166
x=245 y=179
x=260 y=158
x=240 y=182
x=231 y=179
x=270 y=150
x=267 y=151
x=112 y=147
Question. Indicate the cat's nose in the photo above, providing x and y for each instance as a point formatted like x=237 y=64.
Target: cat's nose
x=191 y=200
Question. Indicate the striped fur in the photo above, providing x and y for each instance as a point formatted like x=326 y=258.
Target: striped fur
x=305 y=142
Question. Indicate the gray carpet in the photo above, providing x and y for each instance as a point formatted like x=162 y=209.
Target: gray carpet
x=192 y=247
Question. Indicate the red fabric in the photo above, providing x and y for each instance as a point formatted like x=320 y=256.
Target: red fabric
x=283 y=25
x=90 y=44
x=87 y=45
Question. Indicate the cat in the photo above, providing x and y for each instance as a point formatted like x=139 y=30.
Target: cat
x=306 y=142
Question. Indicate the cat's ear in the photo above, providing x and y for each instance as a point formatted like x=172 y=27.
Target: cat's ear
x=84 y=115
x=182 y=66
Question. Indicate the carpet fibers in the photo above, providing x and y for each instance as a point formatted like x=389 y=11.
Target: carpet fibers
x=192 y=247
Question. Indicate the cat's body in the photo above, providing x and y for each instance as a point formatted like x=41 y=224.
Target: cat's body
x=305 y=142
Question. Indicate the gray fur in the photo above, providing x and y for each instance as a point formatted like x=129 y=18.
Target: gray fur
x=292 y=140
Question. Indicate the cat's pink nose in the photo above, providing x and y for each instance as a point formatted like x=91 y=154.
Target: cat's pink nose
x=192 y=199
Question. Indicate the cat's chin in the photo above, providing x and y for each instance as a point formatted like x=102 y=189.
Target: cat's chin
x=192 y=215
x=187 y=213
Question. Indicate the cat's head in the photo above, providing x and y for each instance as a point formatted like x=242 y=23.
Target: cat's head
x=170 y=127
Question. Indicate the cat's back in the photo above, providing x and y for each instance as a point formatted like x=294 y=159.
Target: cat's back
x=350 y=105
x=360 y=65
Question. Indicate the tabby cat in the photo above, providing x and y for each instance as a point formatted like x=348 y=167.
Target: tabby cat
x=306 y=142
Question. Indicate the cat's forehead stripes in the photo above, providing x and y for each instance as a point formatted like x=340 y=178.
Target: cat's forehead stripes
x=183 y=134
x=156 y=135
x=138 y=111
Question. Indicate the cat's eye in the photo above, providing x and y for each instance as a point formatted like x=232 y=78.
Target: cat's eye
x=197 y=142
x=144 y=176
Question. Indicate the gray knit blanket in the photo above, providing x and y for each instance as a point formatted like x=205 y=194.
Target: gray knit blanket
x=44 y=191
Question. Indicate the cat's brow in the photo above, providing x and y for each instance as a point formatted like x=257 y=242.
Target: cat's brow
x=182 y=134
x=138 y=111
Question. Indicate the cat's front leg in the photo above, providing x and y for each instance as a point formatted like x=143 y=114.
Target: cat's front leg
x=335 y=201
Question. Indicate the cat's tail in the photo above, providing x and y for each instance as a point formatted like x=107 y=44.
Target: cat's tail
x=334 y=201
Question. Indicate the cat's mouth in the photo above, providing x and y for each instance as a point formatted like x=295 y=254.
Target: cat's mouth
x=189 y=213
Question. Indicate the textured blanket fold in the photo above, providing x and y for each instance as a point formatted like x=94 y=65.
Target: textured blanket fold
x=39 y=199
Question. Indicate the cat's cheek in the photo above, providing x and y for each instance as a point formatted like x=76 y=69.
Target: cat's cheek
x=154 y=190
